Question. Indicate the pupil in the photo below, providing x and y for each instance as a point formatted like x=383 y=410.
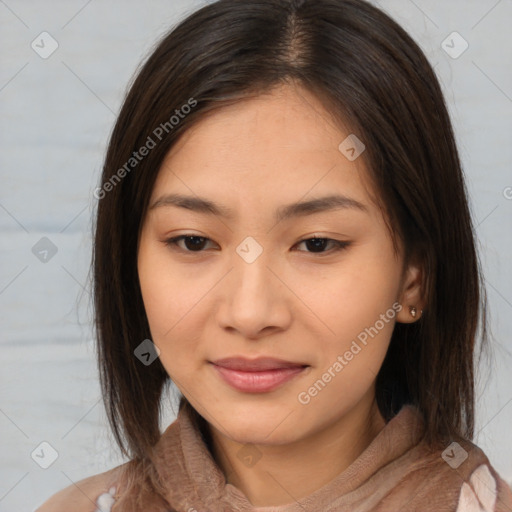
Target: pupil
x=194 y=245
x=317 y=243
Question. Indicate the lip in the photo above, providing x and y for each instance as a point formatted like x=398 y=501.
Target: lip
x=257 y=375
x=256 y=365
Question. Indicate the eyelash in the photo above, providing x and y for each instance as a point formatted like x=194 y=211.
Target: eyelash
x=338 y=244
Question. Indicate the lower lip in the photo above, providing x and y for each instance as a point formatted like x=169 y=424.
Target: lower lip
x=258 y=382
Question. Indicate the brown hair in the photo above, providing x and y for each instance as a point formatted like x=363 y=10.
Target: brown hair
x=373 y=77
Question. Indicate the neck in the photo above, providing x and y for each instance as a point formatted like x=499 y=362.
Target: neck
x=279 y=477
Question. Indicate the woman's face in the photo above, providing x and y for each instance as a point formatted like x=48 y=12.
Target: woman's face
x=252 y=284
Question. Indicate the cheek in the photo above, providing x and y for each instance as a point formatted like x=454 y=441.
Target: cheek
x=164 y=292
x=355 y=305
x=353 y=296
x=169 y=306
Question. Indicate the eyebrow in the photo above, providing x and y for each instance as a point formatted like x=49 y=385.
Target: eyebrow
x=299 y=209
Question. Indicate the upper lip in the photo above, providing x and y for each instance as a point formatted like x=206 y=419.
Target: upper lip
x=258 y=364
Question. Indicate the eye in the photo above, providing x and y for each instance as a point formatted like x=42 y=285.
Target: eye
x=318 y=244
x=195 y=243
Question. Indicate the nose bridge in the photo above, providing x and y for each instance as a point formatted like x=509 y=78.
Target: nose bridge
x=251 y=302
x=251 y=275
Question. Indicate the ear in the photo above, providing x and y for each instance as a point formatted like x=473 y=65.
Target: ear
x=411 y=295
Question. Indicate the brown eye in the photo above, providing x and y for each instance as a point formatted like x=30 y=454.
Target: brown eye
x=193 y=243
x=317 y=245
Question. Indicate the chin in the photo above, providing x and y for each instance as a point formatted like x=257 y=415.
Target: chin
x=259 y=435
x=255 y=428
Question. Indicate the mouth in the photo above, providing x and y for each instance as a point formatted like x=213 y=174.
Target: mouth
x=255 y=365
x=257 y=375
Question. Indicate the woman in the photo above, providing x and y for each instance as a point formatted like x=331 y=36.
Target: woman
x=283 y=232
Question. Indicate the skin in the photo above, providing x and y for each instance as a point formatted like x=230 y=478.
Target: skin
x=293 y=302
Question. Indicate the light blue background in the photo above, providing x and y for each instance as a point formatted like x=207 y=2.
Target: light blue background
x=55 y=119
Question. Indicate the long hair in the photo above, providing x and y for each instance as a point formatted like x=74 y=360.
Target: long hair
x=371 y=76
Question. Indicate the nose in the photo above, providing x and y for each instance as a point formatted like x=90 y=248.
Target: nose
x=254 y=300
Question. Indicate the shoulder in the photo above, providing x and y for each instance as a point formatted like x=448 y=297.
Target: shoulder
x=83 y=495
x=479 y=486
x=458 y=476
x=484 y=490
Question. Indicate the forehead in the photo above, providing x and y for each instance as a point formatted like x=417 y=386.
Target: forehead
x=275 y=148
x=288 y=118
